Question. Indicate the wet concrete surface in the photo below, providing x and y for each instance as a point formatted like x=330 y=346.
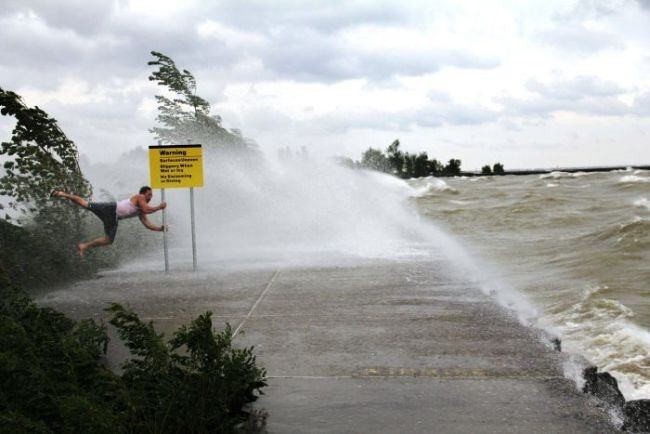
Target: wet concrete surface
x=384 y=347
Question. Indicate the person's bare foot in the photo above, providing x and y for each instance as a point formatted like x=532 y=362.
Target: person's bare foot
x=81 y=249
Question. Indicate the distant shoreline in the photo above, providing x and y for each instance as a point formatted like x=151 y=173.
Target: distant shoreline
x=557 y=169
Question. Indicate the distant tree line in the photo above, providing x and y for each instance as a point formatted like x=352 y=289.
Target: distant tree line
x=497 y=169
x=406 y=165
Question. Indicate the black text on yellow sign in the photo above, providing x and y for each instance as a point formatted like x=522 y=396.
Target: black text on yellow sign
x=176 y=166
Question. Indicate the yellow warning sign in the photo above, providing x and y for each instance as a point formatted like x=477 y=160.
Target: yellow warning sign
x=176 y=166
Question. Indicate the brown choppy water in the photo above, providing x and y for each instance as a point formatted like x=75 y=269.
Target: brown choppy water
x=576 y=245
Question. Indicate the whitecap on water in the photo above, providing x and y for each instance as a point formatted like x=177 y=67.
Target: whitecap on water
x=642 y=203
x=633 y=179
x=554 y=175
x=559 y=175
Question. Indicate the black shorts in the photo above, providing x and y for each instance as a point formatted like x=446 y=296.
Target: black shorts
x=107 y=213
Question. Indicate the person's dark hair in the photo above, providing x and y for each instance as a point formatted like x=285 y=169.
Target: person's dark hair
x=144 y=189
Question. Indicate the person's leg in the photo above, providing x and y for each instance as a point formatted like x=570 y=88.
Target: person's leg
x=71 y=197
x=102 y=241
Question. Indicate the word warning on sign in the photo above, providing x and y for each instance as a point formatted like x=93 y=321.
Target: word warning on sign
x=176 y=166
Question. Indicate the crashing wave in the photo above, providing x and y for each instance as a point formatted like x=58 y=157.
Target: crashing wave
x=434 y=187
x=602 y=330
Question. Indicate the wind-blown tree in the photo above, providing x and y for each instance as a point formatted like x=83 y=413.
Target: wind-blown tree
x=395 y=158
x=486 y=170
x=452 y=168
x=420 y=165
x=498 y=169
x=375 y=159
x=407 y=165
x=404 y=164
x=434 y=167
x=37 y=158
x=185 y=116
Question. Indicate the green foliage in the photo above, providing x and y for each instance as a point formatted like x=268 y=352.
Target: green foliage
x=52 y=378
x=374 y=159
x=395 y=158
x=420 y=165
x=452 y=168
x=345 y=162
x=186 y=117
x=406 y=165
x=435 y=168
x=195 y=383
x=31 y=258
x=38 y=158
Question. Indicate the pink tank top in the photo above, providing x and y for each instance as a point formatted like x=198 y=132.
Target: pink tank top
x=125 y=209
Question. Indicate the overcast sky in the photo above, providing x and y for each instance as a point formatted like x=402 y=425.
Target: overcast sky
x=530 y=84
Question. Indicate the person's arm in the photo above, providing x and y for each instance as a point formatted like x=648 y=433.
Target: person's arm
x=145 y=208
x=147 y=224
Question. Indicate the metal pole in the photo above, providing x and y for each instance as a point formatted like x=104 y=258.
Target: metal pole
x=193 y=228
x=194 y=267
x=164 y=223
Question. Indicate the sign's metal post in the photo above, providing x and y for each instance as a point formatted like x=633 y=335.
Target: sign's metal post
x=193 y=224
x=193 y=229
x=164 y=223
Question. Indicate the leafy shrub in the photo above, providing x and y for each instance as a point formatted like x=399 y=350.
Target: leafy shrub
x=52 y=378
x=197 y=382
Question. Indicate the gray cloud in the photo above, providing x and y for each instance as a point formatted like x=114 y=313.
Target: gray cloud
x=588 y=9
x=642 y=104
x=106 y=45
x=79 y=16
x=645 y=4
x=313 y=56
x=582 y=94
x=326 y=16
x=45 y=44
x=578 y=87
x=440 y=111
x=544 y=107
x=299 y=43
x=578 y=39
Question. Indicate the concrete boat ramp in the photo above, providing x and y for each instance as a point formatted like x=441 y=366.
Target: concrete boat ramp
x=370 y=348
